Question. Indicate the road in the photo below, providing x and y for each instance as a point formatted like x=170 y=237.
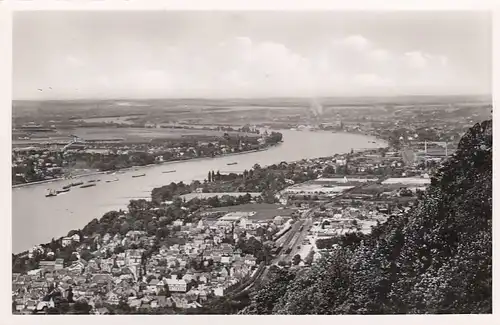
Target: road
x=296 y=243
x=294 y=238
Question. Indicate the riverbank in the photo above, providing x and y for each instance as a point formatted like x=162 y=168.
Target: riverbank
x=95 y=173
x=52 y=217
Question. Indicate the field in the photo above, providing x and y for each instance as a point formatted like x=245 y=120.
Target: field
x=338 y=180
x=191 y=196
x=408 y=181
x=125 y=134
x=312 y=188
x=264 y=211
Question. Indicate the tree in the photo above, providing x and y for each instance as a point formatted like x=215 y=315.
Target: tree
x=296 y=259
x=309 y=258
x=437 y=258
x=82 y=307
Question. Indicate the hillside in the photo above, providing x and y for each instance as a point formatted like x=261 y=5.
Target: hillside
x=435 y=260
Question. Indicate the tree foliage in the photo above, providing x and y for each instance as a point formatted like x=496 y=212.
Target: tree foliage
x=436 y=259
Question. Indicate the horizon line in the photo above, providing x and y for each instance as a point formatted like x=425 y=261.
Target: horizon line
x=251 y=98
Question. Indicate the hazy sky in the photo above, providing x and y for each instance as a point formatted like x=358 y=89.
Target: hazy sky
x=249 y=54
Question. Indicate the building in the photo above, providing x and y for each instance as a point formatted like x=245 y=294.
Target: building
x=279 y=220
x=59 y=264
x=66 y=241
x=133 y=256
x=47 y=265
x=176 y=285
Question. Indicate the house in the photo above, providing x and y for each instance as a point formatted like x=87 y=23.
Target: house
x=224 y=272
x=178 y=223
x=152 y=287
x=203 y=295
x=194 y=304
x=76 y=238
x=133 y=256
x=15 y=276
x=107 y=265
x=35 y=274
x=106 y=238
x=92 y=264
x=20 y=306
x=180 y=302
x=102 y=279
x=176 y=285
x=220 y=291
x=188 y=277
x=77 y=266
x=31 y=305
x=278 y=220
x=145 y=305
x=102 y=311
x=66 y=241
x=120 y=260
x=158 y=301
x=134 y=303
x=203 y=279
x=47 y=265
x=112 y=298
x=250 y=260
x=59 y=264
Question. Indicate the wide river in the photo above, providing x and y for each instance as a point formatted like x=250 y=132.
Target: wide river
x=37 y=219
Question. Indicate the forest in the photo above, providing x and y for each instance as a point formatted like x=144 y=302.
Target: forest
x=437 y=259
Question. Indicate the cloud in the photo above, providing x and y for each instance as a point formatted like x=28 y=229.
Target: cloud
x=422 y=60
x=379 y=55
x=74 y=62
x=241 y=66
x=372 y=80
x=356 y=42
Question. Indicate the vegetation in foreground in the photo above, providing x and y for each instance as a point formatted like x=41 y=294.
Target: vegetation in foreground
x=435 y=260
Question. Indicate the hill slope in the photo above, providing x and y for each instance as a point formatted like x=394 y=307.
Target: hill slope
x=437 y=259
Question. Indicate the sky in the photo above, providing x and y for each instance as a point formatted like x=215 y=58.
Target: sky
x=75 y=55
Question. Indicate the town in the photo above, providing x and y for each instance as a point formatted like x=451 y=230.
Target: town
x=45 y=158
x=191 y=244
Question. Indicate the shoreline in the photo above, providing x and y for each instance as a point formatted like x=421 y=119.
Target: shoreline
x=231 y=154
x=385 y=144
x=95 y=173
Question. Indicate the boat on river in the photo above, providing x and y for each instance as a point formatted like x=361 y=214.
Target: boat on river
x=88 y=185
x=51 y=193
x=112 y=180
x=168 y=171
x=233 y=163
x=76 y=184
x=64 y=190
x=140 y=175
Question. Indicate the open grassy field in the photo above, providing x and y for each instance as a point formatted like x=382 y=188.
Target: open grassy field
x=263 y=211
x=191 y=196
x=128 y=134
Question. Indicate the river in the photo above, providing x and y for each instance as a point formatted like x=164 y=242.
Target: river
x=37 y=219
